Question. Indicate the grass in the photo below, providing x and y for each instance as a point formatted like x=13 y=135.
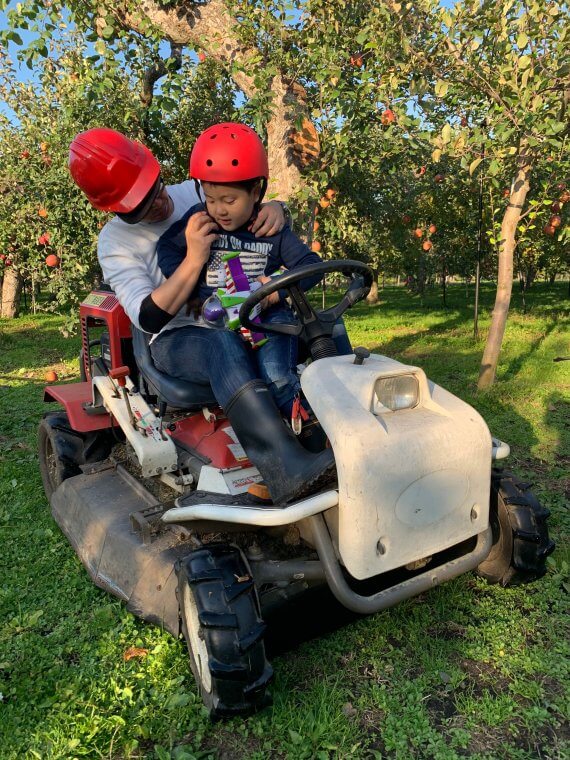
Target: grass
x=466 y=670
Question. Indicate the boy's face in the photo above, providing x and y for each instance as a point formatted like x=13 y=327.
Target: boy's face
x=229 y=206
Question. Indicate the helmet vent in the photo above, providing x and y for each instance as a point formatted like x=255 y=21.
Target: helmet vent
x=235 y=162
x=209 y=162
x=213 y=137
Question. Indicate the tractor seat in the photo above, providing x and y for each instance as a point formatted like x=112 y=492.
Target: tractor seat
x=171 y=390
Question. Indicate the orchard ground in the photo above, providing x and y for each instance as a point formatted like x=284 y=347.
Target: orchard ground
x=466 y=670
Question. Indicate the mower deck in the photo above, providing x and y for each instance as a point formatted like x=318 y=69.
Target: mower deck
x=94 y=511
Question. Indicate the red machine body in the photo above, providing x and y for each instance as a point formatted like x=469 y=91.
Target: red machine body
x=101 y=308
x=102 y=313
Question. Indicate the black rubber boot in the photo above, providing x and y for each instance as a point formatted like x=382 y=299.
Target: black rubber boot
x=288 y=470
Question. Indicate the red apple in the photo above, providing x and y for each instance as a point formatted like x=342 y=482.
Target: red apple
x=432 y=229
x=418 y=232
x=51 y=376
x=42 y=212
x=406 y=219
x=25 y=154
x=52 y=260
x=439 y=178
x=356 y=60
x=555 y=221
x=315 y=246
x=44 y=239
x=316 y=226
x=549 y=230
x=388 y=117
x=427 y=245
x=201 y=56
x=324 y=203
x=506 y=193
x=464 y=121
x=330 y=193
x=556 y=206
x=565 y=197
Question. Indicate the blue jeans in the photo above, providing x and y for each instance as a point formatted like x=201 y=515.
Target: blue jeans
x=223 y=360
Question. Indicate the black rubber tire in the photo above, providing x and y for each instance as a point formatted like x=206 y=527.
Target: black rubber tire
x=63 y=450
x=520 y=534
x=60 y=451
x=223 y=628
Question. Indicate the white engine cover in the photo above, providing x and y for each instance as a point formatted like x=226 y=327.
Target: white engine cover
x=412 y=482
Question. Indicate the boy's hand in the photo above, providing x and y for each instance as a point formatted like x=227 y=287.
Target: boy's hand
x=269 y=221
x=200 y=234
x=272 y=298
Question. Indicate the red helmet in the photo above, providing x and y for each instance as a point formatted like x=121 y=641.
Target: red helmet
x=228 y=152
x=115 y=173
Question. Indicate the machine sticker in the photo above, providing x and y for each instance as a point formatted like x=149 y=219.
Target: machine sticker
x=229 y=431
x=94 y=299
x=237 y=450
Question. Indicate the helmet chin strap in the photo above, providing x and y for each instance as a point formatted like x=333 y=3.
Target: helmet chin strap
x=262 y=191
x=198 y=187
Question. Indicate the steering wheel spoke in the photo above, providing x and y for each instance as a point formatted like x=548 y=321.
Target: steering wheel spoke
x=300 y=304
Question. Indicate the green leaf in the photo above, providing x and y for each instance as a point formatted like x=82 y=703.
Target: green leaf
x=446 y=134
x=522 y=40
x=107 y=32
x=436 y=155
x=441 y=88
x=473 y=165
x=524 y=61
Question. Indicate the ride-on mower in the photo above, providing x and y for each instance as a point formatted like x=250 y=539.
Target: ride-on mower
x=149 y=483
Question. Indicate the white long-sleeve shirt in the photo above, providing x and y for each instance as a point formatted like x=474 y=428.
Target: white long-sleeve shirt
x=127 y=255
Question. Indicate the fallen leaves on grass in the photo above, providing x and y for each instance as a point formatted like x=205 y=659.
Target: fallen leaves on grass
x=133 y=652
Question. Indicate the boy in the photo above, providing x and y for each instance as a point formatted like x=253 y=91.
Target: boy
x=230 y=163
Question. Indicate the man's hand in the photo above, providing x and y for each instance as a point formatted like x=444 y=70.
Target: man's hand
x=200 y=234
x=269 y=221
x=272 y=298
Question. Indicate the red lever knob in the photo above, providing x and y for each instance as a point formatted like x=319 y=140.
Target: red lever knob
x=119 y=374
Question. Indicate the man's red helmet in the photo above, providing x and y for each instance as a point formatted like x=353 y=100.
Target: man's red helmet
x=228 y=152
x=115 y=173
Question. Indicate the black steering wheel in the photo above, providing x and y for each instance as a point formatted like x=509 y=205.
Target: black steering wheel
x=313 y=327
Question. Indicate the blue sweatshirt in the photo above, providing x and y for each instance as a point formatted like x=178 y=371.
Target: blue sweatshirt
x=258 y=255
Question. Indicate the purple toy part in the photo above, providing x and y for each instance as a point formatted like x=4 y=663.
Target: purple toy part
x=213 y=311
x=237 y=274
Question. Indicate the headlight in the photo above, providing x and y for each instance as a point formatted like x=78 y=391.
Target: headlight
x=393 y=393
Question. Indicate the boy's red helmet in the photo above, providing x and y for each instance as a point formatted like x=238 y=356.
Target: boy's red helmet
x=115 y=173
x=228 y=152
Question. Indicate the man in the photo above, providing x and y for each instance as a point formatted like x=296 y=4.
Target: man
x=120 y=175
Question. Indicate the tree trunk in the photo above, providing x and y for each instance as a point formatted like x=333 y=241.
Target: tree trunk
x=11 y=293
x=211 y=27
x=372 y=297
x=520 y=188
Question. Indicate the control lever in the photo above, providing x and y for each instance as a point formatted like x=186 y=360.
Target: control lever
x=119 y=374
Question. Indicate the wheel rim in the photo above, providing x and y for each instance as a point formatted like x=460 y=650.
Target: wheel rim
x=196 y=643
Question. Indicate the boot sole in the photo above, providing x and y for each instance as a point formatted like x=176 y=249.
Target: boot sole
x=324 y=478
